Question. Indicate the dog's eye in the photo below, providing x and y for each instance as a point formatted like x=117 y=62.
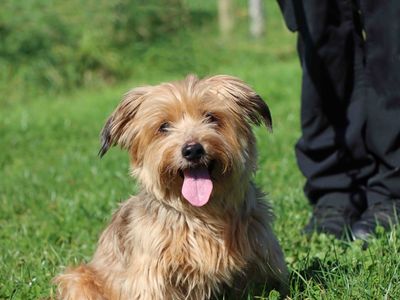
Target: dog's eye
x=211 y=118
x=164 y=127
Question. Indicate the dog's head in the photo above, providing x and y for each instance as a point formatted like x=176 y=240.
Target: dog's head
x=190 y=138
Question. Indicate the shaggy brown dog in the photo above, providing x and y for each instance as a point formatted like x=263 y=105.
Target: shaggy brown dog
x=198 y=225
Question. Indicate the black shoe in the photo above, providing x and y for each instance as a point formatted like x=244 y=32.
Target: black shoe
x=333 y=214
x=382 y=213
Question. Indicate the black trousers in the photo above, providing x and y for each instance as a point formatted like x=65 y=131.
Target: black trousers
x=350 y=112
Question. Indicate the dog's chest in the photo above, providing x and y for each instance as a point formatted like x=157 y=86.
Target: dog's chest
x=199 y=252
x=184 y=251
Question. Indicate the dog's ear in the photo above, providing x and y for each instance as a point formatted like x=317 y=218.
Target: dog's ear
x=116 y=131
x=253 y=106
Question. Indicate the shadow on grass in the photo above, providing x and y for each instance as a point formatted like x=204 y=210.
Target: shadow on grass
x=317 y=274
x=315 y=271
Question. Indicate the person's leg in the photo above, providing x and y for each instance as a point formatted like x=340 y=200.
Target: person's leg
x=331 y=152
x=382 y=27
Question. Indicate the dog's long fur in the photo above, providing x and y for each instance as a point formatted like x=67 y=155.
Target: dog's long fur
x=158 y=245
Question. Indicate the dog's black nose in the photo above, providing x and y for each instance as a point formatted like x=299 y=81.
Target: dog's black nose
x=193 y=151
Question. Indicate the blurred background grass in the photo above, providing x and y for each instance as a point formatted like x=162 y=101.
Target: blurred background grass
x=63 y=68
x=58 y=45
x=55 y=46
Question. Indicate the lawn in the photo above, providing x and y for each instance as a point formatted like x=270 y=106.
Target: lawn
x=56 y=195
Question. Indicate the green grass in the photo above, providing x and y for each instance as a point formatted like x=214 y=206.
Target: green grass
x=56 y=195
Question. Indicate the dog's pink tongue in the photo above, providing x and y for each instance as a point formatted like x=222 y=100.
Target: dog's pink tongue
x=197 y=186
